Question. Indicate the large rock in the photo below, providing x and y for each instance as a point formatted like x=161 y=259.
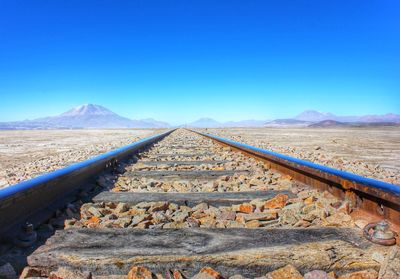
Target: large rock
x=180 y=216
x=140 y=218
x=139 y=272
x=246 y=208
x=207 y=273
x=227 y=215
x=121 y=208
x=65 y=273
x=318 y=274
x=278 y=201
x=253 y=224
x=286 y=272
x=365 y=274
x=339 y=219
x=159 y=206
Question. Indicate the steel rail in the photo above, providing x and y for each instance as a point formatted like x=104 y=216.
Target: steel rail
x=20 y=201
x=376 y=197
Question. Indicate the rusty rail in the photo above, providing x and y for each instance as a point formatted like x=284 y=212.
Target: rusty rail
x=373 y=198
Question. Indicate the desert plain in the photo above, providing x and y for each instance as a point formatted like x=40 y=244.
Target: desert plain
x=25 y=154
x=368 y=151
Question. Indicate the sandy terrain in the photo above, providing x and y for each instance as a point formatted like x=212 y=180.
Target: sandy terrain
x=372 y=152
x=26 y=154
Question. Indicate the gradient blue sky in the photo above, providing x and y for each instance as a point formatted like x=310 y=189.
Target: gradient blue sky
x=181 y=60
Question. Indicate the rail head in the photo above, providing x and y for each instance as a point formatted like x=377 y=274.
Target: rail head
x=19 y=201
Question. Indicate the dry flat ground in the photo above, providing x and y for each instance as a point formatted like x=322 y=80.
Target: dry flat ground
x=26 y=154
x=373 y=152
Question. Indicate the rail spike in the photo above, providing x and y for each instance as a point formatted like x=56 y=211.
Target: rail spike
x=381 y=233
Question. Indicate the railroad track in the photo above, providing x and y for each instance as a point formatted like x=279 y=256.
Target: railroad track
x=186 y=204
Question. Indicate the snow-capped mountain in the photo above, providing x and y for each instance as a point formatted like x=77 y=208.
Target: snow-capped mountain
x=85 y=116
x=88 y=109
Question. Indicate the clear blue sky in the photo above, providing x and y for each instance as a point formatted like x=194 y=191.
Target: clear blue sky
x=181 y=60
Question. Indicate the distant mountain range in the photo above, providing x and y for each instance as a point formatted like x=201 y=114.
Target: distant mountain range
x=96 y=116
x=85 y=116
x=336 y=124
x=314 y=118
x=311 y=118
